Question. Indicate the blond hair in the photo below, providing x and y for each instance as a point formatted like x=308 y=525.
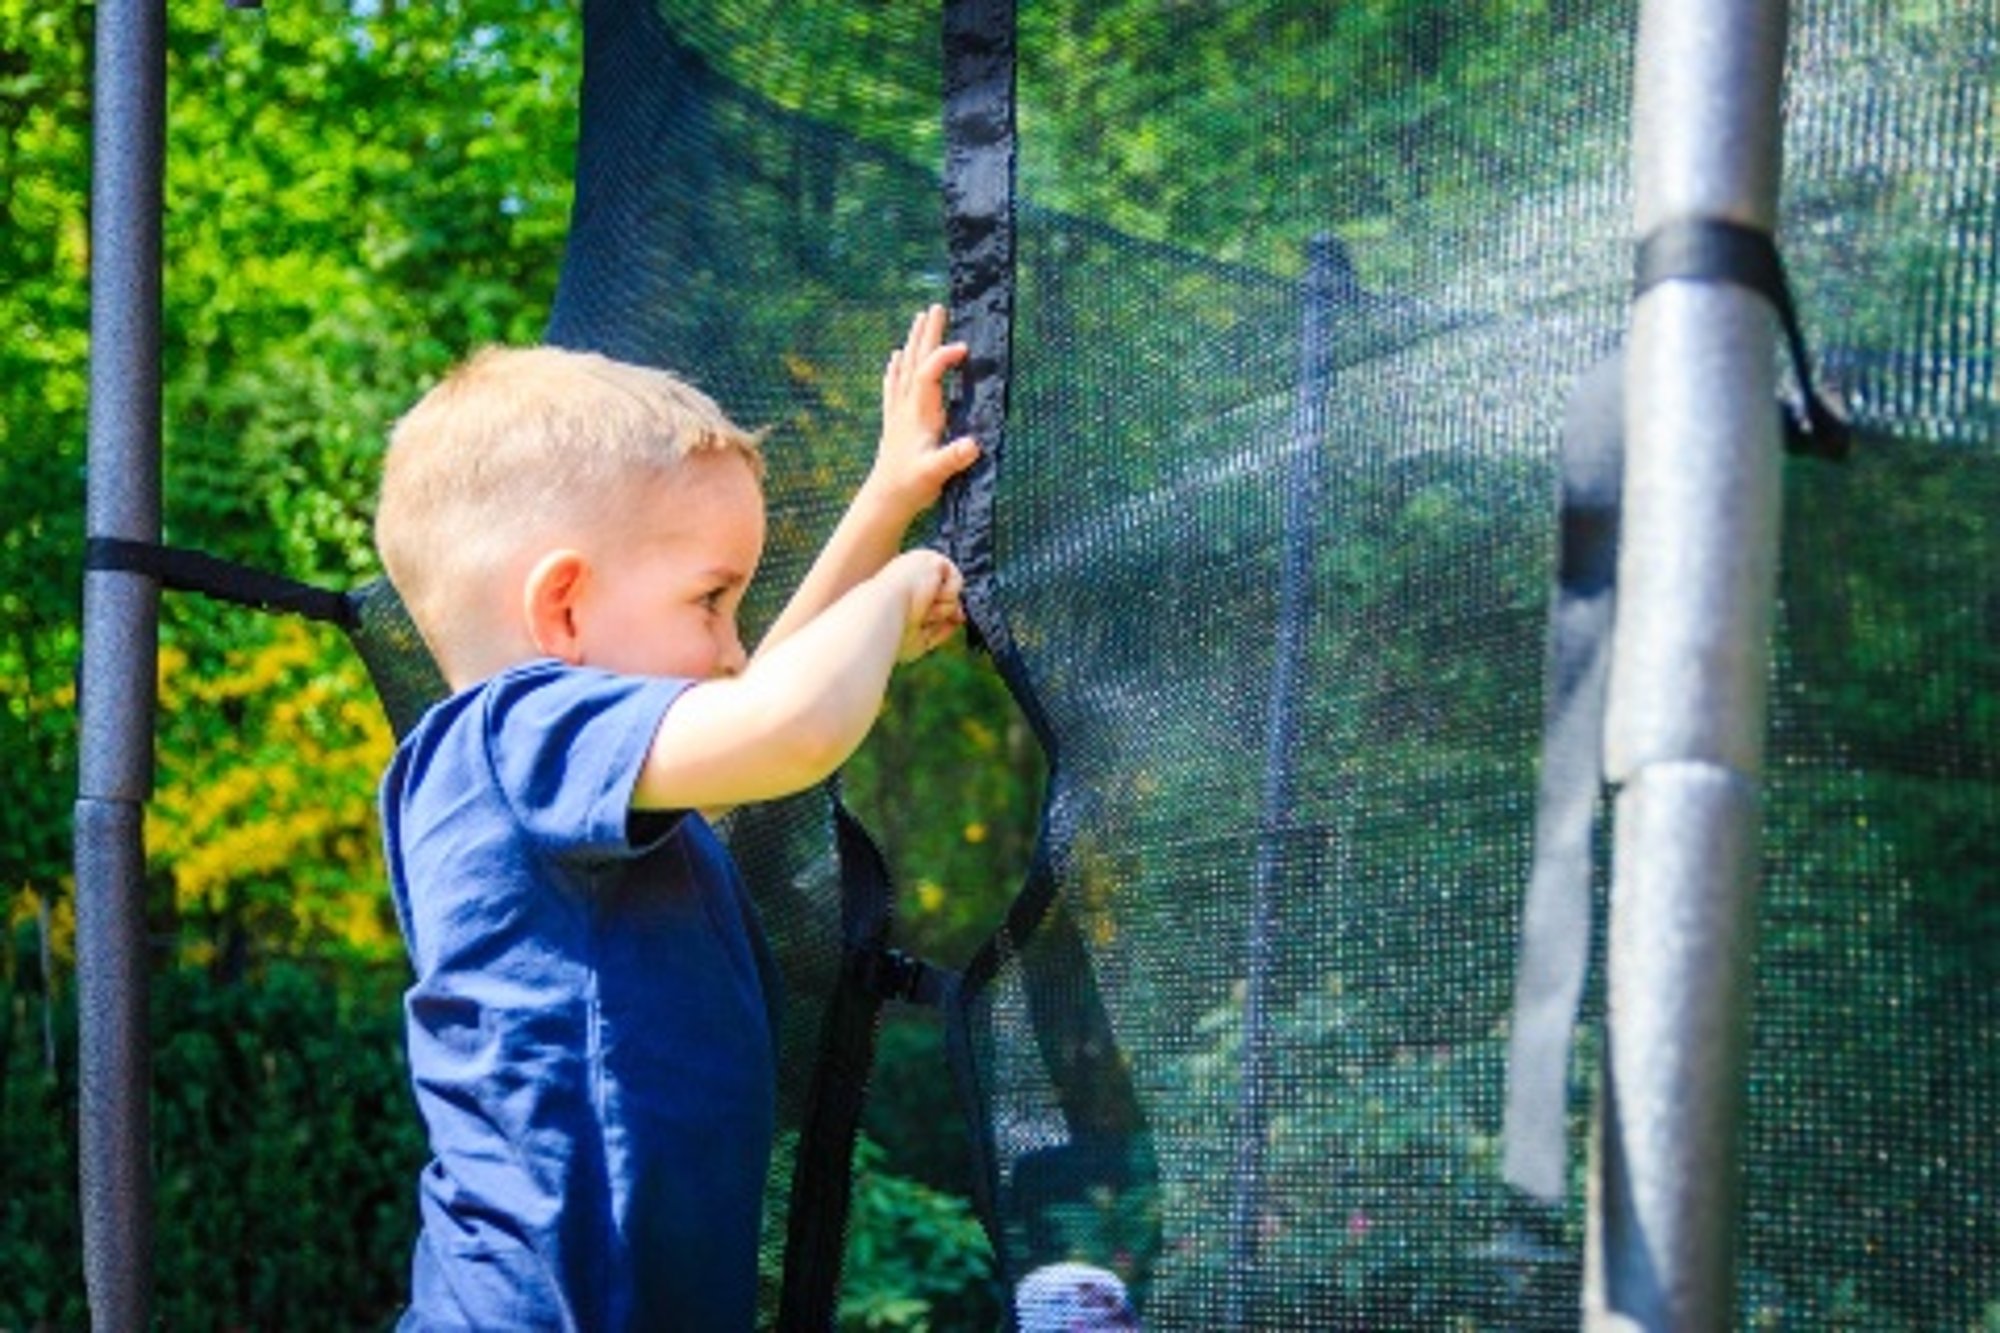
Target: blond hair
x=517 y=443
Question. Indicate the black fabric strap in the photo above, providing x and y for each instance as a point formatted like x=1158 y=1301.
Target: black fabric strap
x=979 y=62
x=195 y=571
x=979 y=85
x=1556 y=917
x=1710 y=250
x=968 y=1046
x=979 y=38
x=822 y=1176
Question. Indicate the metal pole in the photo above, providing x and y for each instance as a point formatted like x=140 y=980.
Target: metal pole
x=1690 y=660
x=117 y=694
x=1329 y=279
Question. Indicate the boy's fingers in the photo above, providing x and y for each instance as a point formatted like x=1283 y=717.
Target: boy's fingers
x=926 y=332
x=913 y=360
x=938 y=628
x=947 y=461
x=940 y=359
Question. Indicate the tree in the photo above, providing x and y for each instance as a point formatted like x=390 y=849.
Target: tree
x=356 y=195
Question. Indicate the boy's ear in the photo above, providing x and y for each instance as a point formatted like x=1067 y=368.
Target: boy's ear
x=550 y=594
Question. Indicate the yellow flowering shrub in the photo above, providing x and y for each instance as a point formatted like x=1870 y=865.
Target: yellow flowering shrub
x=263 y=821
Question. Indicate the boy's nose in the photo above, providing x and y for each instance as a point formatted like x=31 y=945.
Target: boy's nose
x=734 y=659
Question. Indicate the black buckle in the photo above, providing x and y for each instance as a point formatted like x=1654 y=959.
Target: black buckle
x=891 y=974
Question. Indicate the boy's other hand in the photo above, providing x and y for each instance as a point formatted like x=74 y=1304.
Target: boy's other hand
x=912 y=464
x=932 y=612
x=910 y=471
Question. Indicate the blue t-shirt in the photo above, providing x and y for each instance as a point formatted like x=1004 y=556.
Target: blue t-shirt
x=590 y=1034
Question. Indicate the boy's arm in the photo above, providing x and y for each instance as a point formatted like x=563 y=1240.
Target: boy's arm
x=911 y=469
x=799 y=710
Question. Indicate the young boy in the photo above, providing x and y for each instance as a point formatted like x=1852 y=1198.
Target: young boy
x=589 y=1031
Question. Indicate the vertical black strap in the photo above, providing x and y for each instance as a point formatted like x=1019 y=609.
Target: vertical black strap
x=968 y=1045
x=822 y=1174
x=979 y=49
x=979 y=38
x=1555 y=920
x=979 y=86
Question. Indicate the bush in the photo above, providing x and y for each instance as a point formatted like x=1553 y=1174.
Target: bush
x=285 y=1147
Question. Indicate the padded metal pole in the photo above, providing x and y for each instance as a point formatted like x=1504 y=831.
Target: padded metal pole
x=113 y=1106
x=1690 y=660
x=116 y=688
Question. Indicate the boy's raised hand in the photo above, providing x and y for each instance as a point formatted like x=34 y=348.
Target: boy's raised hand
x=911 y=468
x=912 y=463
x=932 y=612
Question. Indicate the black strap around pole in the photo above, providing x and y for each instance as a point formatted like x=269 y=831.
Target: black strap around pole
x=1711 y=250
x=198 y=572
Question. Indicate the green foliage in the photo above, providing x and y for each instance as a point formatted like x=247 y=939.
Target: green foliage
x=264 y=828
x=916 y=1257
x=284 y=1095
x=355 y=197
x=912 y=1111
x=1400 y=1152
x=44 y=137
x=1392 y=101
x=960 y=835
x=869 y=67
x=288 y=1097
x=41 y=1254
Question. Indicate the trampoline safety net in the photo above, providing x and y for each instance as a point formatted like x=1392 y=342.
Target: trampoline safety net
x=1299 y=294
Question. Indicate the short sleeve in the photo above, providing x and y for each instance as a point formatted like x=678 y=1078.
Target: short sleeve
x=566 y=746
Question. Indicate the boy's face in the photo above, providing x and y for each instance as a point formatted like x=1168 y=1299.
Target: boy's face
x=662 y=595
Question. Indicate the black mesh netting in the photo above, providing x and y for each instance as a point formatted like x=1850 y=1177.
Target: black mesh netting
x=1278 y=603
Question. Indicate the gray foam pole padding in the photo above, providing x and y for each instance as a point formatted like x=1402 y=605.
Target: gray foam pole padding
x=116 y=689
x=1697 y=577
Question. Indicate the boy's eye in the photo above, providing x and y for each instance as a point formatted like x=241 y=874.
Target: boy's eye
x=712 y=599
